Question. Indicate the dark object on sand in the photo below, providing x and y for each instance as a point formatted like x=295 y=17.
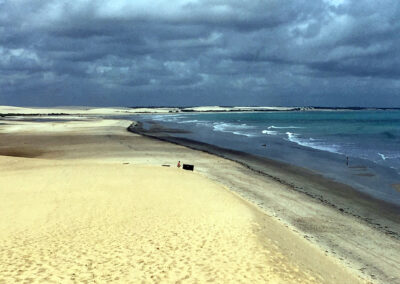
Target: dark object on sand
x=166 y=165
x=188 y=167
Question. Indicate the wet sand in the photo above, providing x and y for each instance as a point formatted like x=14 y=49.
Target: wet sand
x=345 y=223
x=89 y=201
x=377 y=213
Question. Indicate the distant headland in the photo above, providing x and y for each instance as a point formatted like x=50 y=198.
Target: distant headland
x=82 y=110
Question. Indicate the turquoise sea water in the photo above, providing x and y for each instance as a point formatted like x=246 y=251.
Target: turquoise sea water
x=318 y=140
x=372 y=135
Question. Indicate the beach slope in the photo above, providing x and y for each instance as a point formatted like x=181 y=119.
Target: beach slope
x=79 y=204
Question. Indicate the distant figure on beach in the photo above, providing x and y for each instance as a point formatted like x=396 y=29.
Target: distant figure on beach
x=347 y=161
x=179 y=164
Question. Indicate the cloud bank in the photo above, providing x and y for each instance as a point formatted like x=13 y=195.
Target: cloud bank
x=200 y=52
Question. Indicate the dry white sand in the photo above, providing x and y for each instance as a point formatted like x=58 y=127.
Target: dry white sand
x=77 y=211
x=89 y=111
x=123 y=111
x=97 y=222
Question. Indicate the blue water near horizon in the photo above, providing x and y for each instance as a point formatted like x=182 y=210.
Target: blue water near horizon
x=318 y=140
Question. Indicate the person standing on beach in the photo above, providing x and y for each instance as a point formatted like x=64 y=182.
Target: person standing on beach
x=179 y=164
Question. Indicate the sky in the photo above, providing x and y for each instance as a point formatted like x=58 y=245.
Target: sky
x=200 y=52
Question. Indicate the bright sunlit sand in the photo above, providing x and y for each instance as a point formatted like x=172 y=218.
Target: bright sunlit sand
x=88 y=222
x=285 y=117
x=102 y=219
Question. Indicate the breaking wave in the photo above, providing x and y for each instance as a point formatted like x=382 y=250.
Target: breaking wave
x=269 y=132
x=282 y=127
x=311 y=143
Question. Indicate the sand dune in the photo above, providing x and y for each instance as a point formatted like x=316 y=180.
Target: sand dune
x=89 y=111
x=85 y=208
x=94 y=222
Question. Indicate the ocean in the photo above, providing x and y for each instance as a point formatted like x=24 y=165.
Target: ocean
x=318 y=140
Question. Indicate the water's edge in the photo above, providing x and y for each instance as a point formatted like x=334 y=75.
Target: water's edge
x=378 y=214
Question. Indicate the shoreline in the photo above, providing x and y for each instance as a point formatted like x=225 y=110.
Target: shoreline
x=92 y=201
x=307 y=146
x=295 y=177
x=300 y=224
x=348 y=205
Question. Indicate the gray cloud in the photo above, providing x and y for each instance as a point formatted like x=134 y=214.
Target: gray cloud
x=286 y=52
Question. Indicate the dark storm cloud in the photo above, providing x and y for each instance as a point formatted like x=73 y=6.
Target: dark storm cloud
x=272 y=52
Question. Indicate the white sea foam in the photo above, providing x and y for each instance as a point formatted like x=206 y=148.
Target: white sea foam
x=270 y=132
x=222 y=127
x=204 y=123
x=283 y=127
x=389 y=156
x=166 y=118
x=382 y=156
x=243 y=134
x=229 y=127
x=294 y=137
x=238 y=129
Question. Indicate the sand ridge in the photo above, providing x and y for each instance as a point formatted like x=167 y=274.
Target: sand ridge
x=94 y=222
x=95 y=206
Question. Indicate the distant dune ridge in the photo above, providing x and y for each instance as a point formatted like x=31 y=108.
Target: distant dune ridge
x=12 y=110
x=88 y=201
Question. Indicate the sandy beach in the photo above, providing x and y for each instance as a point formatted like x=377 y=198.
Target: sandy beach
x=197 y=141
x=88 y=201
